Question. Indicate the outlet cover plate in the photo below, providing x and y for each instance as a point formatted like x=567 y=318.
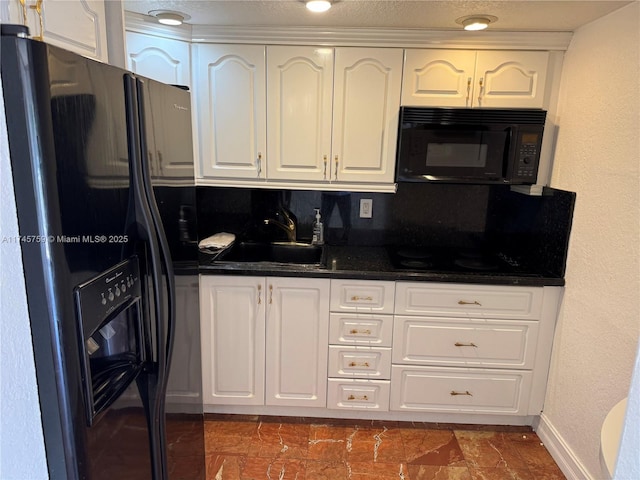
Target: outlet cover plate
x=366 y=208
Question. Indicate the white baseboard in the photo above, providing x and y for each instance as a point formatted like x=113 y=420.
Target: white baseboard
x=561 y=452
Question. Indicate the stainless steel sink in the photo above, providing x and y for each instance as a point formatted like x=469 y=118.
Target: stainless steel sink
x=297 y=253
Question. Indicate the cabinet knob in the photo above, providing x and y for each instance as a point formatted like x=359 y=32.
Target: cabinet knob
x=356 y=364
x=38 y=8
x=360 y=332
x=475 y=302
x=353 y=397
x=23 y=4
x=454 y=393
x=357 y=298
x=481 y=92
x=471 y=344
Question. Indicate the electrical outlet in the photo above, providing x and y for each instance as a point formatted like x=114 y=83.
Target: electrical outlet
x=366 y=208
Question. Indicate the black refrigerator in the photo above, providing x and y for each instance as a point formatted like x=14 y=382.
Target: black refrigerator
x=102 y=164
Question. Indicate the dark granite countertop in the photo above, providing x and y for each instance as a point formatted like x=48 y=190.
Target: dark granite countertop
x=369 y=263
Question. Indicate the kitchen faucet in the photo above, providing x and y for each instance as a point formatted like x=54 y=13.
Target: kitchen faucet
x=289 y=224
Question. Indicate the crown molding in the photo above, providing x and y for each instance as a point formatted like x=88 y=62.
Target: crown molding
x=360 y=37
x=138 y=23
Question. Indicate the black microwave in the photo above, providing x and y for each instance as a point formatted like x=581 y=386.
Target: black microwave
x=469 y=145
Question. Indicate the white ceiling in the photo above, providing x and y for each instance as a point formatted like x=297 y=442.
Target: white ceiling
x=513 y=15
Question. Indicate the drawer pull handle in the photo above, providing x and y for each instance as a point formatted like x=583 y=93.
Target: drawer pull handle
x=259 y=294
x=454 y=393
x=357 y=298
x=458 y=344
x=356 y=364
x=475 y=302
x=360 y=332
x=353 y=397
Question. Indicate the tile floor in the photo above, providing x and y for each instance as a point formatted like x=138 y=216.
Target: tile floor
x=279 y=448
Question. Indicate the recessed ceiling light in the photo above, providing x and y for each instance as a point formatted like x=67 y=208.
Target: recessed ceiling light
x=318 y=5
x=167 y=17
x=476 y=22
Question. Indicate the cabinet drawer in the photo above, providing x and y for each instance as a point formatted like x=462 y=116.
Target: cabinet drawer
x=460 y=390
x=362 y=295
x=360 y=362
x=356 y=329
x=358 y=394
x=464 y=342
x=468 y=300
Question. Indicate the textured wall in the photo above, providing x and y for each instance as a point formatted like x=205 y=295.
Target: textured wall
x=597 y=156
x=22 y=452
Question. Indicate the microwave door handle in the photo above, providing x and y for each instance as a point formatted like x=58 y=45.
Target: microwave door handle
x=507 y=151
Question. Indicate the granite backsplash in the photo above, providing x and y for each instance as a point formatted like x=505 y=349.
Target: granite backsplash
x=531 y=229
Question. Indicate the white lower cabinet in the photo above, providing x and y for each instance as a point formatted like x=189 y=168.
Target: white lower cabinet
x=357 y=394
x=264 y=340
x=399 y=350
x=232 y=316
x=471 y=348
x=463 y=390
x=360 y=337
x=464 y=342
x=297 y=337
x=359 y=362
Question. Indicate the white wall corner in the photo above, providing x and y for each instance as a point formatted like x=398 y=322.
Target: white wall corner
x=22 y=451
x=560 y=450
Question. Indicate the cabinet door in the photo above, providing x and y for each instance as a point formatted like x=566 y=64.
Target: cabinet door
x=438 y=78
x=510 y=79
x=297 y=341
x=299 y=102
x=161 y=59
x=230 y=102
x=362 y=296
x=232 y=316
x=464 y=342
x=463 y=390
x=78 y=26
x=367 y=86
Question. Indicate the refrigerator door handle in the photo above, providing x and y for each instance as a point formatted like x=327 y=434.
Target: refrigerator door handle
x=143 y=208
x=165 y=254
x=165 y=339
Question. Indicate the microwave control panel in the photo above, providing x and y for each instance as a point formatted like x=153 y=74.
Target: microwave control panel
x=527 y=157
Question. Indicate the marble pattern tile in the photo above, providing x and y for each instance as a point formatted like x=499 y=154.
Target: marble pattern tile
x=285 y=448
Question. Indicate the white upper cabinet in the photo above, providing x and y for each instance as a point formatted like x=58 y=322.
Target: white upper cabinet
x=231 y=106
x=307 y=115
x=161 y=59
x=78 y=26
x=299 y=102
x=510 y=79
x=366 y=102
x=332 y=121
x=487 y=78
x=438 y=78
